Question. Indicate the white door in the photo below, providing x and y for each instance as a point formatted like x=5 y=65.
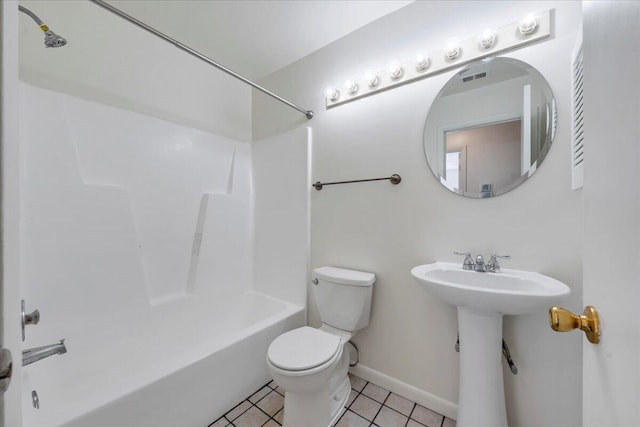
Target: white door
x=611 y=369
x=10 y=335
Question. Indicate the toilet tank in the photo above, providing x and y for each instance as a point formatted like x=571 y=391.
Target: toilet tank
x=343 y=297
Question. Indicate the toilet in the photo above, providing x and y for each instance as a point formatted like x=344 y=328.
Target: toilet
x=311 y=365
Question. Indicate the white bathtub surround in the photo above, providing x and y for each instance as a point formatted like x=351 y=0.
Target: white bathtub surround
x=143 y=194
x=138 y=249
x=281 y=169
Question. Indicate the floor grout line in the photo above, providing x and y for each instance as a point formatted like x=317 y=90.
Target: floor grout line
x=374 y=417
x=260 y=409
x=380 y=408
x=411 y=413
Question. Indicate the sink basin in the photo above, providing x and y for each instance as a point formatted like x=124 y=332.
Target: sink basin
x=507 y=292
x=482 y=299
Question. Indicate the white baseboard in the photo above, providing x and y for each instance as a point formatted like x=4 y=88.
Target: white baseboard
x=426 y=399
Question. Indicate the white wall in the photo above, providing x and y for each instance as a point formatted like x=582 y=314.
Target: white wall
x=114 y=62
x=389 y=229
x=612 y=211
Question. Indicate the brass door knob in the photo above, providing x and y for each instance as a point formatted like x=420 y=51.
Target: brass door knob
x=562 y=320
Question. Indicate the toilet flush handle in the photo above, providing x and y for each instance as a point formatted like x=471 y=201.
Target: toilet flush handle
x=314 y=281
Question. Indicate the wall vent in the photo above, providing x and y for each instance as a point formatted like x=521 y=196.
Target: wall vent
x=471 y=78
x=577 y=116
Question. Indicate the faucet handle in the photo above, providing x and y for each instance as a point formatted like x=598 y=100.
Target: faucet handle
x=468 y=263
x=493 y=266
x=28 y=318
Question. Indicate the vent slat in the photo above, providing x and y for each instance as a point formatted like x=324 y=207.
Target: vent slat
x=578 y=79
x=578 y=83
x=578 y=135
x=578 y=150
x=577 y=118
x=579 y=68
x=577 y=97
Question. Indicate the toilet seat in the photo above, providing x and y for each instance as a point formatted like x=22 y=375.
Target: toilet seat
x=303 y=348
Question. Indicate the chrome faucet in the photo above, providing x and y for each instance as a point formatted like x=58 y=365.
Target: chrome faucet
x=468 y=263
x=492 y=265
x=32 y=355
x=479 y=265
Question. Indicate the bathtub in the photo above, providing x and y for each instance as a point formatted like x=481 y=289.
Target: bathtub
x=167 y=369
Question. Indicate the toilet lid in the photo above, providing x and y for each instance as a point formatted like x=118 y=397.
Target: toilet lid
x=302 y=348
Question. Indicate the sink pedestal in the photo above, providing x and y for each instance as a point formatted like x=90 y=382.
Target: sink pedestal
x=481 y=392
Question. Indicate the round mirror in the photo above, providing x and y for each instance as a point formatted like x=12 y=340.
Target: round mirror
x=490 y=127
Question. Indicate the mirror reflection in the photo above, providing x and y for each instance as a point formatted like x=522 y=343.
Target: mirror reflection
x=490 y=127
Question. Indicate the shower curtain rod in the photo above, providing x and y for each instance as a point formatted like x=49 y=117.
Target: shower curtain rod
x=198 y=55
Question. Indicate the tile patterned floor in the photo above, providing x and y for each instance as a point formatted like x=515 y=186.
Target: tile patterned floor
x=368 y=406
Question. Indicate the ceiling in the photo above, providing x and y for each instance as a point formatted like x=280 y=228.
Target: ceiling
x=257 y=37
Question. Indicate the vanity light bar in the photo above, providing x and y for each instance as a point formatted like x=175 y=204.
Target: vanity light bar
x=530 y=29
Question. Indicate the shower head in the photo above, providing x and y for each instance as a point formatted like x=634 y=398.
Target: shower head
x=51 y=39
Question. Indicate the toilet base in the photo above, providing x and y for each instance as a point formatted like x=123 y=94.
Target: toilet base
x=316 y=409
x=306 y=409
x=339 y=400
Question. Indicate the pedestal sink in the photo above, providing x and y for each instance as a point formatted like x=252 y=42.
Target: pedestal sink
x=482 y=299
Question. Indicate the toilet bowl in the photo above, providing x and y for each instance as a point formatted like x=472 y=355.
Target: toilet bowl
x=311 y=365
